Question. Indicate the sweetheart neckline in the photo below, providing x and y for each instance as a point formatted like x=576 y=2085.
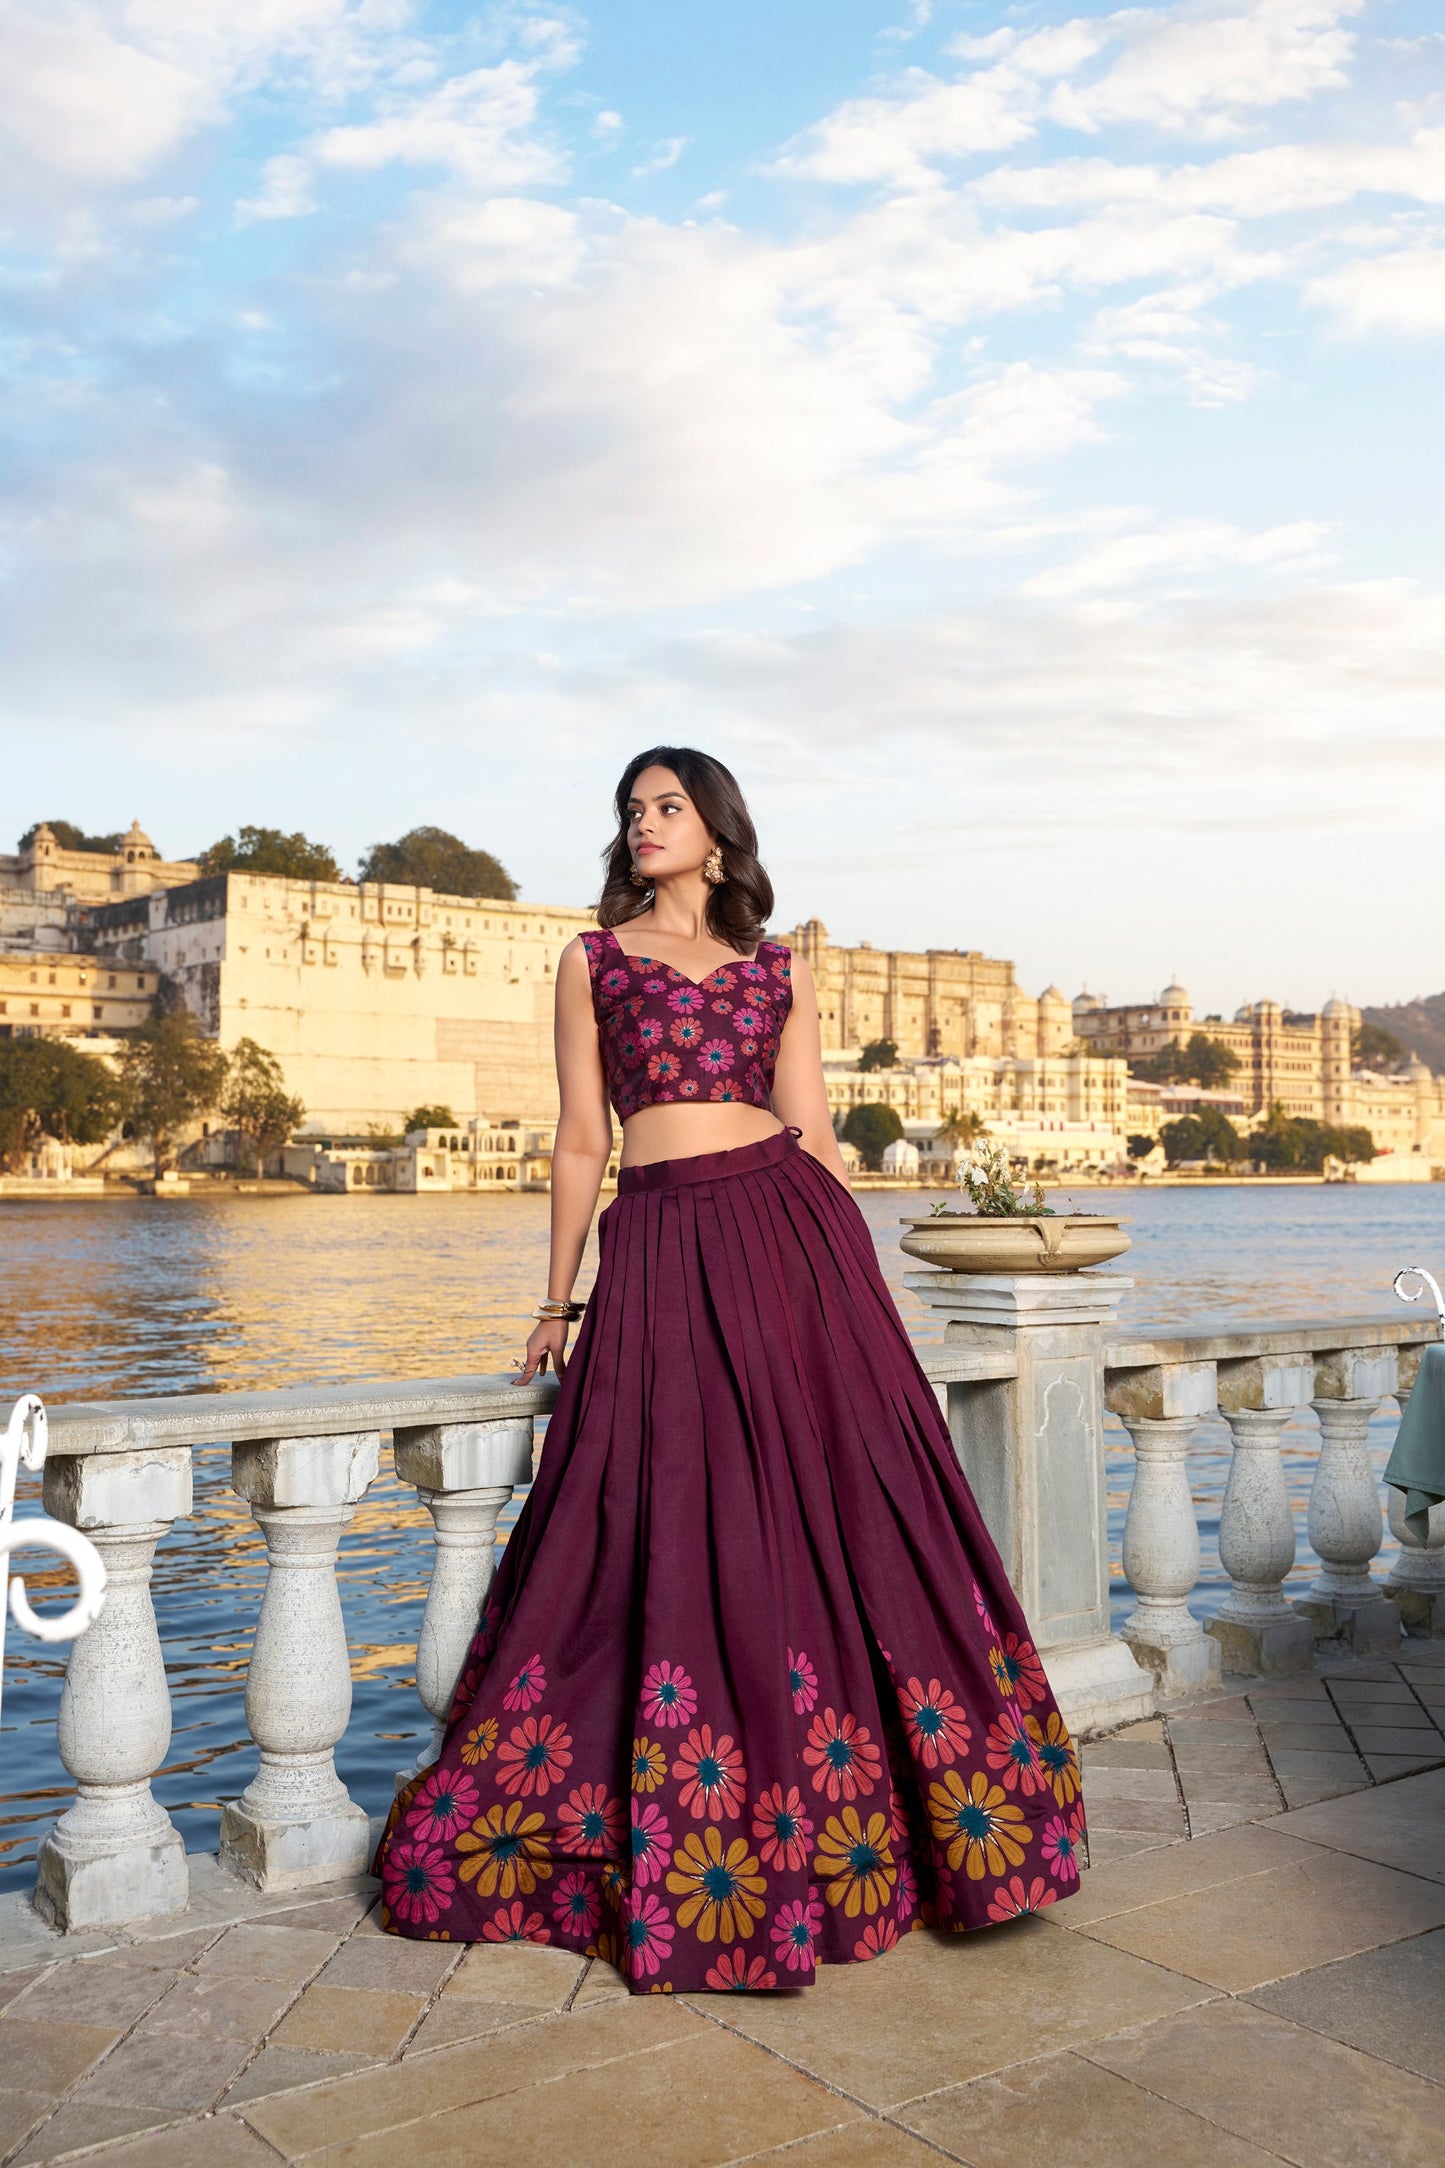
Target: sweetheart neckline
x=696 y=984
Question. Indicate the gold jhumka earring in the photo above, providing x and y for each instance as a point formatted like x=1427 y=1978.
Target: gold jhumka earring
x=712 y=866
x=639 y=878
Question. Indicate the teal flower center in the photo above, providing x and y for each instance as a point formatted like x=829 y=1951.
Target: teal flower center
x=505 y=1848
x=863 y=1860
x=720 y=1883
x=667 y=1695
x=800 y=1934
x=1055 y=1757
x=710 y=1772
x=417 y=1879
x=785 y=1827
x=975 y=1822
x=929 y=1720
x=1020 y=1750
x=538 y=1756
x=839 y=1754
x=594 y=1827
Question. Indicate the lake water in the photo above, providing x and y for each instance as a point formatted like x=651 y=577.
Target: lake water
x=100 y=1300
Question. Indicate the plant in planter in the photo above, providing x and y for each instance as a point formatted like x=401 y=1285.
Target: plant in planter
x=1010 y=1228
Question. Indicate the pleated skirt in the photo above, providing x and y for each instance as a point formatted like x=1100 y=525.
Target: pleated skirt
x=751 y=1692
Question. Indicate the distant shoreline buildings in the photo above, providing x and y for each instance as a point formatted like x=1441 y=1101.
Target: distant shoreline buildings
x=376 y=998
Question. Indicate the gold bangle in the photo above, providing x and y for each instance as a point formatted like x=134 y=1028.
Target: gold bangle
x=568 y=1312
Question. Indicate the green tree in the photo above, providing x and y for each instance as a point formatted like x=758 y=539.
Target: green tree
x=1372 y=1047
x=50 y=1089
x=71 y=838
x=270 y=850
x=872 y=1127
x=429 y=1118
x=1140 y=1147
x=879 y=1054
x=959 y=1128
x=1201 y=1061
x=172 y=1076
x=1345 y=1141
x=431 y=858
x=255 y=1101
x=1298 y=1144
x=1205 y=1135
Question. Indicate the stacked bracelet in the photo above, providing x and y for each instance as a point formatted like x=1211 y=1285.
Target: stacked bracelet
x=568 y=1311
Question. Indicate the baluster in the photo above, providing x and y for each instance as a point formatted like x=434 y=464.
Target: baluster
x=295 y=1823
x=465 y=1473
x=1346 y=1523
x=1416 y=1578
x=1161 y=1560
x=1257 y=1628
x=116 y=1855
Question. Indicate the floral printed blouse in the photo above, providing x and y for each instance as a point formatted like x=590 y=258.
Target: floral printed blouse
x=665 y=1036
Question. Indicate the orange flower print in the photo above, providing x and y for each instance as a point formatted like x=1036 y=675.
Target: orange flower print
x=514 y=1923
x=590 y=1821
x=1056 y=1753
x=781 y=1828
x=842 y=1753
x=855 y=1859
x=935 y=1722
x=984 y=1833
x=508 y=1848
x=1011 y=1751
x=536 y=1755
x=711 y=1774
x=874 y=1940
x=720 y=1887
x=739 y=1974
x=1014 y=1900
x=528 y=1687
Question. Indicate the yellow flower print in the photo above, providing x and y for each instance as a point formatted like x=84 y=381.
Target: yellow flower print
x=720 y=1887
x=479 y=1742
x=509 y=1851
x=984 y=1833
x=1056 y=1754
x=855 y=1858
x=649 y=1765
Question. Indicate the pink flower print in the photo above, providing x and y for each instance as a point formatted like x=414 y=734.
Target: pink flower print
x=782 y=969
x=1013 y=1754
x=1013 y=1900
x=897 y=1815
x=685 y=1001
x=1061 y=1846
x=752 y=971
x=722 y=1008
x=750 y=1046
x=654 y=986
x=711 y=1774
x=748 y=1020
x=716 y=1056
x=782 y=1828
x=739 y=1974
x=528 y=1687
x=722 y=977
x=627 y=1046
x=668 y=1696
x=651 y=1842
x=1026 y=1671
x=664 y=1068
x=613 y=982
x=874 y=1940
x=936 y=1725
x=514 y=1923
x=982 y=1609
x=574 y=1904
x=687 y=1089
x=843 y=1755
x=795 y=1931
x=647 y=1933
x=444 y=1805
x=686 y=1031
x=590 y=1821
x=649 y=1031
x=802 y=1681
x=906 y=1896
x=536 y=1756
x=419 y=1882
x=726 y=1094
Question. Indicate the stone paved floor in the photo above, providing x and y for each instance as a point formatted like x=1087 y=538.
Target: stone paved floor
x=1252 y=1973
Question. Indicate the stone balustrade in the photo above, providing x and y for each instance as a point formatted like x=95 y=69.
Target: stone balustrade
x=1028 y=1367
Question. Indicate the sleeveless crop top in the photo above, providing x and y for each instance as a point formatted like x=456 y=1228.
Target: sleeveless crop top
x=665 y=1036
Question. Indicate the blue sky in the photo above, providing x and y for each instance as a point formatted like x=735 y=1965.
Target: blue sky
x=1008 y=436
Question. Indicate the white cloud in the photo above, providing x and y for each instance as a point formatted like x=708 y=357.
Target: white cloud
x=661 y=158
x=1186 y=549
x=1400 y=291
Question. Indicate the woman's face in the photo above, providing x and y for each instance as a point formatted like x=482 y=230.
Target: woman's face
x=665 y=832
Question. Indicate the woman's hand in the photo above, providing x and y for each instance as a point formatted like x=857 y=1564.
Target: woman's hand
x=547 y=1338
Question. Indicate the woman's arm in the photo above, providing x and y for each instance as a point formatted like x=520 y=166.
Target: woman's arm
x=799 y=1096
x=579 y=1154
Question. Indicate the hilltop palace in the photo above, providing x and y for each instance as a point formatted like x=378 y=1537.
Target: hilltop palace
x=376 y=999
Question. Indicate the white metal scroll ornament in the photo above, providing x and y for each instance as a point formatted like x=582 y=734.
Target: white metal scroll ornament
x=25 y=1440
x=1422 y=1280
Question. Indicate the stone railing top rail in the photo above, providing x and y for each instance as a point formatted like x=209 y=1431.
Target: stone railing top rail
x=944 y=1365
x=293 y=1411
x=1154 y=1346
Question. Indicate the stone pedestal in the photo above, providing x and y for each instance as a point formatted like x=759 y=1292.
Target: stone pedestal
x=296 y=1823
x=464 y=1473
x=1257 y=1628
x=1032 y=1448
x=116 y=1855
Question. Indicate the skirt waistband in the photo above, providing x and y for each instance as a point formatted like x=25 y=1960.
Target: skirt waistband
x=709 y=1166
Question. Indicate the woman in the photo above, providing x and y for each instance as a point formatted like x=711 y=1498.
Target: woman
x=751 y=1693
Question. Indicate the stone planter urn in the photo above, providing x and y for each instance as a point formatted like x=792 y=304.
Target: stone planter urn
x=974 y=1242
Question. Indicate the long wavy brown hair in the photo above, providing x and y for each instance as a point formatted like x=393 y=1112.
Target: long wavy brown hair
x=739 y=908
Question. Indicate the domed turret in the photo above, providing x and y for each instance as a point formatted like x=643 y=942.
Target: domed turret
x=1174 y=996
x=136 y=844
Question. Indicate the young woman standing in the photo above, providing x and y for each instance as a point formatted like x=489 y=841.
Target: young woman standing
x=751 y=1693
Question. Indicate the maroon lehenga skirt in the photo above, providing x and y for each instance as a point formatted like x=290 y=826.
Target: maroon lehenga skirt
x=751 y=1693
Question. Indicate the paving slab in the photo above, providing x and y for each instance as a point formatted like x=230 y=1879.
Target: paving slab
x=343 y=2019
x=1389 y=2003
x=219 y=2009
x=1284 y=1709
x=1370 y=1691
x=222 y=2141
x=939 y=2010
x=1124 y=1753
x=863 y=2144
x=1399 y=1739
x=466 y=2017
x=518 y=1972
x=14 y=1984
x=48 y=2056
x=1106 y=1845
x=165 y=2070
x=92 y=1992
x=280 y=2070
x=1235 y=1937
x=1065 y=2109
x=1305 y=1739
x=1283 y=2087
x=78 y=2124
x=1177 y=1869
x=289 y=1954
x=1304 y=1778
x=385 y=1961
x=1144 y=1817
x=1111 y=1783
x=19 y=2114
x=735 y=2101
x=330 y=1914
x=1401 y=1824
x=1206 y=1816
x=382 y=2100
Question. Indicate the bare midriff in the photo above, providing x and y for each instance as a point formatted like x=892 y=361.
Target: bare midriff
x=677 y=1132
